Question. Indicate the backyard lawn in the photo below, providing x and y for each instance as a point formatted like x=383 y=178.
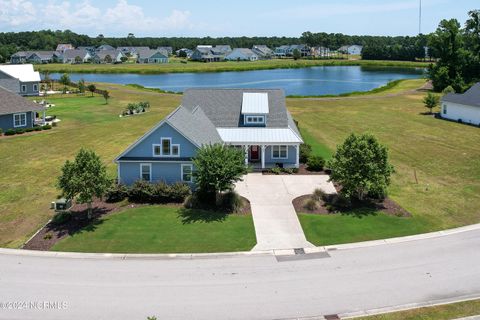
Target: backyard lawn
x=163 y=229
x=444 y=155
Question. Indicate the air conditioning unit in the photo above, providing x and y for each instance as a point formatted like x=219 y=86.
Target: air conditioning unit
x=61 y=205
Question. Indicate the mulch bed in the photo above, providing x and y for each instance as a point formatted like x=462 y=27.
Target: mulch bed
x=302 y=170
x=387 y=206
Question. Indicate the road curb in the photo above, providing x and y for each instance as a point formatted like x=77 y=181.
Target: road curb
x=392 y=309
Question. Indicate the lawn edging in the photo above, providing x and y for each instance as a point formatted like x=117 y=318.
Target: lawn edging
x=194 y=256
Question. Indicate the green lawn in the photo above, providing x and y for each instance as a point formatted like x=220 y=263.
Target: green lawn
x=163 y=229
x=443 y=312
x=175 y=66
x=445 y=156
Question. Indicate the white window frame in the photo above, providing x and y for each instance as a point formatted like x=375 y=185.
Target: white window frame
x=254 y=119
x=24 y=122
x=162 y=155
x=191 y=172
x=149 y=165
x=35 y=87
x=24 y=88
x=279 y=152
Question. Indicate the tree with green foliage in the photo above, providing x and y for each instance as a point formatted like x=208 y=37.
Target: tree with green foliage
x=65 y=80
x=296 y=54
x=84 y=179
x=431 y=101
x=217 y=168
x=81 y=86
x=106 y=96
x=108 y=59
x=92 y=88
x=78 y=60
x=361 y=166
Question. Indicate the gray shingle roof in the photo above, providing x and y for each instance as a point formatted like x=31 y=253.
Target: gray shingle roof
x=469 y=98
x=12 y=103
x=73 y=53
x=223 y=106
x=147 y=53
x=195 y=125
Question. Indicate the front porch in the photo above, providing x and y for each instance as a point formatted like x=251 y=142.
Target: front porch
x=266 y=156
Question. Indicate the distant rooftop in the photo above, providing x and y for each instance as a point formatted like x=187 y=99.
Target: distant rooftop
x=22 y=72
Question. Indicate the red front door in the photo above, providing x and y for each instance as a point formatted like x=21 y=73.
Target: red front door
x=254 y=153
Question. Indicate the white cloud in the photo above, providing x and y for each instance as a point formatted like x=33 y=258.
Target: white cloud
x=16 y=12
x=86 y=17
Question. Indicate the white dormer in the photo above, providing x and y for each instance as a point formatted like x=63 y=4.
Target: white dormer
x=255 y=108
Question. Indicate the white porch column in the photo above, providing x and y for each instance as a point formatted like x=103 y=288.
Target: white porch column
x=297 y=162
x=246 y=154
x=263 y=156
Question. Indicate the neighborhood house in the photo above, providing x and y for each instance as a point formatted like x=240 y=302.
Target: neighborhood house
x=16 y=112
x=463 y=107
x=21 y=79
x=255 y=121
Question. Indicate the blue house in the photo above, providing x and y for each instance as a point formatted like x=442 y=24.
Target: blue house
x=255 y=121
x=16 y=112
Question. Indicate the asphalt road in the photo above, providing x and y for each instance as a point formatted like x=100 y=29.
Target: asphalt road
x=241 y=287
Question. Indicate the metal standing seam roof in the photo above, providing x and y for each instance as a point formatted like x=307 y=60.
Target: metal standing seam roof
x=470 y=98
x=13 y=103
x=258 y=135
x=255 y=103
x=22 y=72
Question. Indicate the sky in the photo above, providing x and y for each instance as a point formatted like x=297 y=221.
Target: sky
x=117 y=18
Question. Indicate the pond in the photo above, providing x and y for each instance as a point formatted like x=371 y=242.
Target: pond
x=304 y=81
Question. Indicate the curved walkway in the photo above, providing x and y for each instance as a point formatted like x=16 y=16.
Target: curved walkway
x=276 y=222
x=350 y=281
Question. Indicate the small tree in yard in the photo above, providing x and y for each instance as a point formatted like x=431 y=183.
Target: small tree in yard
x=81 y=86
x=362 y=168
x=92 y=88
x=431 y=101
x=84 y=179
x=296 y=54
x=217 y=168
x=65 y=80
x=106 y=96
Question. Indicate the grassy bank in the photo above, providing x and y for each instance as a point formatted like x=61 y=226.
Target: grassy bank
x=163 y=229
x=443 y=154
x=176 y=66
x=442 y=312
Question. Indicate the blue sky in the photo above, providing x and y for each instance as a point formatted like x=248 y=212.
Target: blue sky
x=229 y=18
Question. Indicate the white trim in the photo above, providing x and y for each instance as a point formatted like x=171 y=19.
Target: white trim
x=24 y=122
x=118 y=174
x=191 y=172
x=153 y=150
x=149 y=165
x=153 y=160
x=169 y=139
x=247 y=121
x=171 y=150
x=279 y=152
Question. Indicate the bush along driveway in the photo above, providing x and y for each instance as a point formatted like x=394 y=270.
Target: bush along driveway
x=276 y=222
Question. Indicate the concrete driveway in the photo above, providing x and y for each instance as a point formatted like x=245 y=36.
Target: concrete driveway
x=276 y=222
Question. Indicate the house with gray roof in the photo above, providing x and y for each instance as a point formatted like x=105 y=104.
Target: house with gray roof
x=262 y=51
x=17 y=112
x=207 y=53
x=108 y=56
x=151 y=56
x=76 y=56
x=351 y=49
x=20 y=78
x=20 y=57
x=463 y=107
x=241 y=54
x=253 y=120
x=167 y=50
x=42 y=57
x=104 y=47
x=64 y=46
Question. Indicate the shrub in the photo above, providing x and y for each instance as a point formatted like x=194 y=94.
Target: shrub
x=47 y=127
x=29 y=129
x=10 y=132
x=116 y=193
x=48 y=236
x=179 y=192
x=54 y=124
x=315 y=163
x=193 y=201
x=305 y=152
x=290 y=170
x=37 y=128
x=19 y=131
x=318 y=195
x=61 y=218
x=141 y=192
x=276 y=170
x=1 y=131
x=311 y=204
x=231 y=201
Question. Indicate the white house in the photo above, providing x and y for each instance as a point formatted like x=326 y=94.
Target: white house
x=463 y=107
x=352 y=49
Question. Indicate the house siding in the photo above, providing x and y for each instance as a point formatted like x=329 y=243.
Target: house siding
x=167 y=171
x=289 y=161
x=30 y=88
x=6 y=121
x=456 y=112
x=9 y=83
